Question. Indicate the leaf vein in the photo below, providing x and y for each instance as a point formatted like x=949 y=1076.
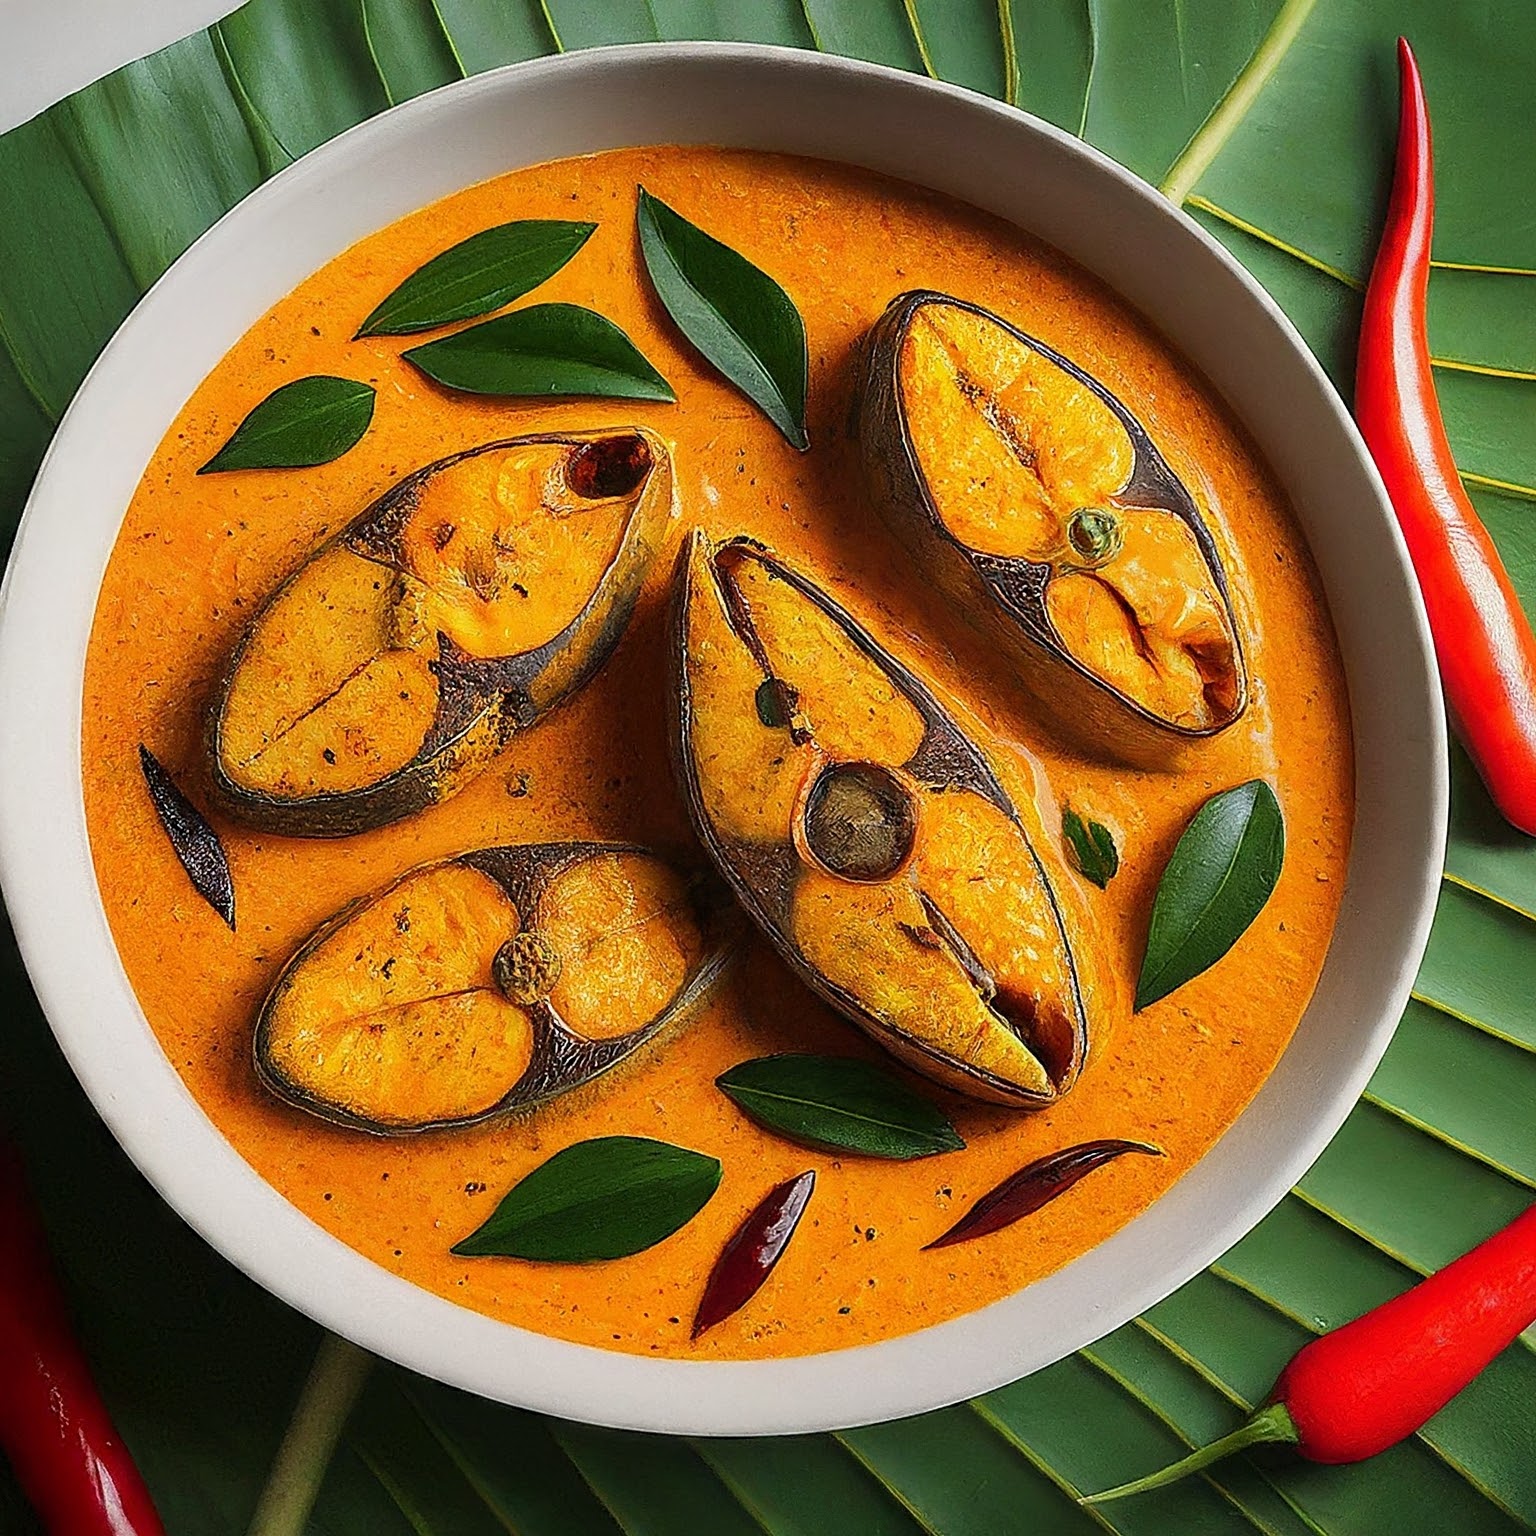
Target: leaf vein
x=1041 y=1464
x=914 y=21
x=260 y=132
x=1010 y=52
x=33 y=389
x=1482 y=1026
x=1474 y=1154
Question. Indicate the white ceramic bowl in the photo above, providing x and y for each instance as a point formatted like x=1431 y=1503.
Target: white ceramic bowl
x=989 y=155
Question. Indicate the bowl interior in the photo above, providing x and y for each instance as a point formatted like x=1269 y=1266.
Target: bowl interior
x=942 y=137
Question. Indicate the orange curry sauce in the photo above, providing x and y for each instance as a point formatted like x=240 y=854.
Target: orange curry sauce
x=196 y=556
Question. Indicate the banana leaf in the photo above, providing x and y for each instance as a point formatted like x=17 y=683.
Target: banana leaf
x=1272 y=121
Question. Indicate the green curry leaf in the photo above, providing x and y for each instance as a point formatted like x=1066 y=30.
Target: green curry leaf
x=547 y=349
x=733 y=312
x=310 y=421
x=839 y=1103
x=478 y=275
x=600 y=1199
x=1092 y=848
x=1221 y=874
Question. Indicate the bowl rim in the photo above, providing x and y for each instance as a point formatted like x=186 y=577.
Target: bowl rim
x=49 y=881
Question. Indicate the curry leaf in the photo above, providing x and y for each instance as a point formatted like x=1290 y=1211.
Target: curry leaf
x=839 y=1103
x=733 y=312
x=547 y=349
x=600 y=1199
x=310 y=421
x=478 y=275
x=1221 y=874
x=1092 y=847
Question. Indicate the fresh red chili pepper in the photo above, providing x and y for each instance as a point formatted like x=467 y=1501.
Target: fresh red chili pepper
x=1483 y=640
x=1359 y=1390
x=53 y=1425
x=749 y=1257
x=1034 y=1185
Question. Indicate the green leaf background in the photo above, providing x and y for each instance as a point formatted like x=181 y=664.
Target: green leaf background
x=1273 y=123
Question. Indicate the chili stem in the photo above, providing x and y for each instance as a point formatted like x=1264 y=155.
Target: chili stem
x=1269 y=1424
x=335 y=1381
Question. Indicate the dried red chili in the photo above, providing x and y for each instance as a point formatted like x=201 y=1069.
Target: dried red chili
x=1483 y=640
x=749 y=1257
x=1359 y=1390
x=54 y=1427
x=1034 y=1185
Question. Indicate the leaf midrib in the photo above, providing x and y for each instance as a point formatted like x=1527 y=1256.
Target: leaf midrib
x=1223 y=120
